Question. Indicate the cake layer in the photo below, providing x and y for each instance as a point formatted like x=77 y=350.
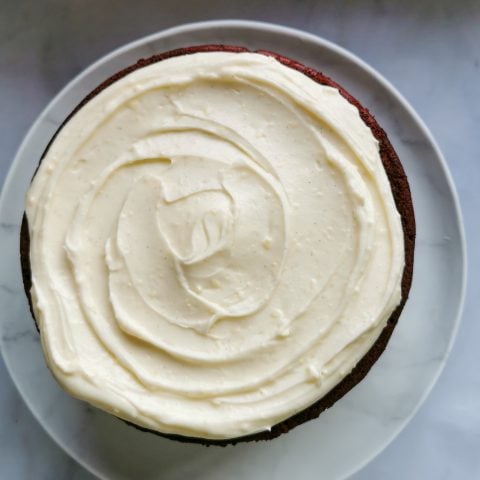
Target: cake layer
x=214 y=244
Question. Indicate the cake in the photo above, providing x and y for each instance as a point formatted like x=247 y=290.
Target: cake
x=217 y=245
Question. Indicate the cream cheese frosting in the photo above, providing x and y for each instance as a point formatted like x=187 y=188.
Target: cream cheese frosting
x=214 y=245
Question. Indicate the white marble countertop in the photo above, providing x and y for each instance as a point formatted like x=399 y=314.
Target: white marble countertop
x=430 y=50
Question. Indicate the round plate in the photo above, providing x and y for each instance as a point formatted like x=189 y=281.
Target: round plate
x=361 y=424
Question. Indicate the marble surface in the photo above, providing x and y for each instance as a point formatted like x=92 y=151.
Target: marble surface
x=428 y=51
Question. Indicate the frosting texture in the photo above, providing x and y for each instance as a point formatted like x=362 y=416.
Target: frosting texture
x=214 y=245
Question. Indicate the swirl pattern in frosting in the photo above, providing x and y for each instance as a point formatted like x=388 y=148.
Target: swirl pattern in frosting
x=214 y=245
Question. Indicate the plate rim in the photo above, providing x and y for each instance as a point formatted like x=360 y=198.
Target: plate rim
x=317 y=40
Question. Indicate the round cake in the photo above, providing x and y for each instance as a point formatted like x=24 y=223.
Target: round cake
x=217 y=245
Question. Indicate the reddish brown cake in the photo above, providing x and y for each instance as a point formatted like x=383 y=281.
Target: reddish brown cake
x=402 y=200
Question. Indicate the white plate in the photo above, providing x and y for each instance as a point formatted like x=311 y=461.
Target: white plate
x=360 y=425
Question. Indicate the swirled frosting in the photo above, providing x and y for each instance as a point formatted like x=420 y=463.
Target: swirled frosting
x=214 y=245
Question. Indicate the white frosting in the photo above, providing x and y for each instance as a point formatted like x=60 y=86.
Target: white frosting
x=214 y=245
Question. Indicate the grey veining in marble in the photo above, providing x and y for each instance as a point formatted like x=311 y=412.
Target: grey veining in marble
x=431 y=52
